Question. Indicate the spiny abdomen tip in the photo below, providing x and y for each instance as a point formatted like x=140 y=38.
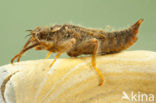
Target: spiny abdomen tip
x=140 y=21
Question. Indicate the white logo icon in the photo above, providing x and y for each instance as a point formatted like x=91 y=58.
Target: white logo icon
x=138 y=97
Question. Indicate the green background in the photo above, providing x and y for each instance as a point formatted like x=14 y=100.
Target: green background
x=16 y=16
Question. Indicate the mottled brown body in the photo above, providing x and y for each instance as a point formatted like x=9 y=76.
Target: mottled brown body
x=55 y=38
x=76 y=40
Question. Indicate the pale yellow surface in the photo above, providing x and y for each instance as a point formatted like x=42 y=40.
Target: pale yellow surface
x=75 y=81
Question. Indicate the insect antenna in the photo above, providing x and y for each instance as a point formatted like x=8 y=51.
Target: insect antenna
x=29 y=30
x=22 y=52
x=28 y=35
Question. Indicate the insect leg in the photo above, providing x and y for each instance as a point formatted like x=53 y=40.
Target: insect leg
x=23 y=51
x=48 y=54
x=19 y=57
x=57 y=56
x=27 y=43
x=93 y=61
x=67 y=45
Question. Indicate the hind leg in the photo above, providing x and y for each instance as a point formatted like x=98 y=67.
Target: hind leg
x=95 y=42
x=89 y=47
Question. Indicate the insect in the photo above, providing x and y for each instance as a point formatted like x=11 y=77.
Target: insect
x=76 y=40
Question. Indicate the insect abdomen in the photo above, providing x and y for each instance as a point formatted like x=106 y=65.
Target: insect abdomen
x=120 y=40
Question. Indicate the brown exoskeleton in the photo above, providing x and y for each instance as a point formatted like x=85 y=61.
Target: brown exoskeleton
x=76 y=40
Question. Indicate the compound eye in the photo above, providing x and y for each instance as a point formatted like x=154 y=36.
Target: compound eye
x=42 y=36
x=55 y=28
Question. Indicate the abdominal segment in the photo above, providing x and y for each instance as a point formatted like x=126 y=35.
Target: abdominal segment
x=109 y=42
x=119 y=40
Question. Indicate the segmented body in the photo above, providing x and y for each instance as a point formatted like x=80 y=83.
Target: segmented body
x=109 y=42
x=76 y=40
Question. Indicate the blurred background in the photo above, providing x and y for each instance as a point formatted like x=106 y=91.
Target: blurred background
x=16 y=16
